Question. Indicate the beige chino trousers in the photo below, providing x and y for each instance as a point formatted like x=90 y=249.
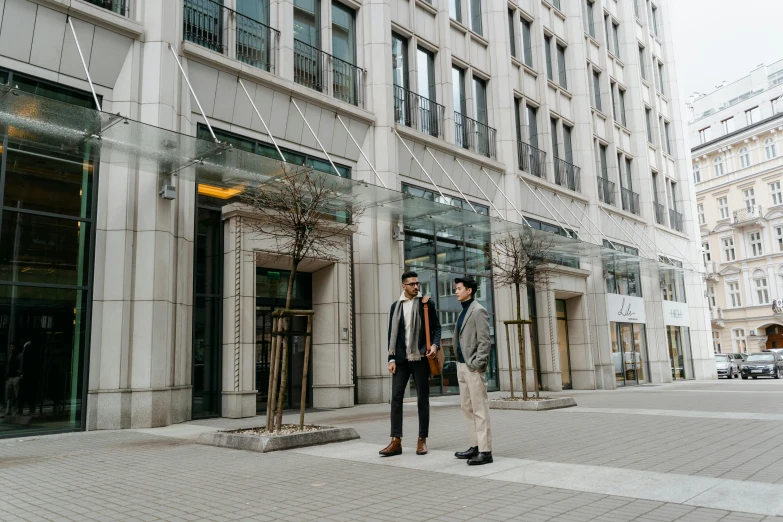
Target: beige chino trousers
x=475 y=406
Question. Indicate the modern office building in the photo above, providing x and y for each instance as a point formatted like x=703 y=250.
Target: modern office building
x=737 y=171
x=134 y=294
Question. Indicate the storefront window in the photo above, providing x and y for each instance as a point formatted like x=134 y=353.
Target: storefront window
x=629 y=353
x=679 y=341
x=46 y=236
x=672 y=279
x=439 y=257
x=622 y=272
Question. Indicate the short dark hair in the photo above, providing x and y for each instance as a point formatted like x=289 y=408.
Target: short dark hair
x=408 y=275
x=469 y=283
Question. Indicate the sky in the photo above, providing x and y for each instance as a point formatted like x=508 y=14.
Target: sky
x=717 y=40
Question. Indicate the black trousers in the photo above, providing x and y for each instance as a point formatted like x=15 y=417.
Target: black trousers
x=421 y=374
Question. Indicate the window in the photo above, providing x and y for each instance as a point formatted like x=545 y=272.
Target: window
x=716 y=342
x=481 y=114
x=752 y=115
x=425 y=61
x=621 y=97
x=642 y=63
x=749 y=195
x=654 y=19
x=604 y=164
x=711 y=297
x=532 y=126
x=700 y=210
x=455 y=9
x=618 y=104
x=556 y=3
x=344 y=37
x=648 y=119
x=561 y=67
x=511 y=38
x=723 y=207
x=696 y=173
x=667 y=135
x=706 y=252
x=661 y=87
x=774 y=190
x=590 y=17
x=779 y=235
x=717 y=164
x=777 y=105
x=728 y=125
x=738 y=339
x=760 y=283
x=567 y=145
x=734 y=294
x=616 y=38
x=597 y=90
x=728 y=249
x=755 y=244
x=460 y=106
x=622 y=273
x=548 y=53
x=527 y=46
x=704 y=135
x=307 y=22
x=553 y=131
x=672 y=279
x=400 y=61
x=475 y=16
x=744 y=157
x=770 y=148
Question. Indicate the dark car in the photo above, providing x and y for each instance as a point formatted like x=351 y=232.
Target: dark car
x=726 y=366
x=766 y=364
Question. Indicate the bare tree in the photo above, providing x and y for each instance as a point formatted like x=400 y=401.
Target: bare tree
x=520 y=260
x=304 y=213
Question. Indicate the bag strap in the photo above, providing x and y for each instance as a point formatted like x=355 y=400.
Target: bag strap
x=425 y=300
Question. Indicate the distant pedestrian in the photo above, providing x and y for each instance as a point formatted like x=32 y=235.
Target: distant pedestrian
x=473 y=347
x=13 y=379
x=407 y=342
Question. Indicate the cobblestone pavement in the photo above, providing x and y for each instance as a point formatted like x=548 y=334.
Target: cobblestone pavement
x=694 y=435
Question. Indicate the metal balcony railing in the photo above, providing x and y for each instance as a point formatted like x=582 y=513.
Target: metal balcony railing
x=660 y=211
x=223 y=30
x=716 y=314
x=474 y=135
x=605 y=190
x=531 y=159
x=567 y=175
x=418 y=112
x=121 y=7
x=675 y=220
x=630 y=200
x=748 y=214
x=321 y=72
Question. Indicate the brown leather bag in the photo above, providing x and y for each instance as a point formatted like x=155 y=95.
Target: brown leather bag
x=436 y=363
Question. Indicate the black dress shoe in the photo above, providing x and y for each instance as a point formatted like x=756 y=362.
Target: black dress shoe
x=484 y=457
x=472 y=452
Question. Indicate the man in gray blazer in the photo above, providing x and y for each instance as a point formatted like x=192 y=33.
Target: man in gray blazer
x=473 y=347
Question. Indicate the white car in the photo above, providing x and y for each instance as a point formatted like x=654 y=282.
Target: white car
x=727 y=366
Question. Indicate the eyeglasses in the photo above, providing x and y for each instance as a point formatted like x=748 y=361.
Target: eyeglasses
x=411 y=284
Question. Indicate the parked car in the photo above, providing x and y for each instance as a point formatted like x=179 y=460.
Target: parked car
x=739 y=358
x=778 y=351
x=764 y=364
x=727 y=366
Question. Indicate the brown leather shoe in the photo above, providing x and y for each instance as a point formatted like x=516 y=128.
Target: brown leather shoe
x=421 y=446
x=394 y=448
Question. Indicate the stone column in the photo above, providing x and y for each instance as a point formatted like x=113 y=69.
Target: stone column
x=551 y=378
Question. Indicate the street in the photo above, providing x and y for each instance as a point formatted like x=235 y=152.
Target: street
x=692 y=451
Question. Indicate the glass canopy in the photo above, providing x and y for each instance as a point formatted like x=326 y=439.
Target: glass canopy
x=113 y=140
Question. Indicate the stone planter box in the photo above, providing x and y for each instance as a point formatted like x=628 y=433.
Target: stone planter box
x=267 y=443
x=539 y=405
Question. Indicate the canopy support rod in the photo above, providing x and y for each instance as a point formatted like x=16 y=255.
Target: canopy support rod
x=291 y=98
x=587 y=229
x=193 y=93
x=637 y=245
x=84 y=64
x=452 y=181
x=360 y=150
x=647 y=241
x=677 y=249
x=480 y=189
x=262 y=119
x=418 y=163
x=504 y=194
x=559 y=213
x=596 y=227
x=544 y=205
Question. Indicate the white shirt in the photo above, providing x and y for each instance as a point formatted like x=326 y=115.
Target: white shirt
x=407 y=310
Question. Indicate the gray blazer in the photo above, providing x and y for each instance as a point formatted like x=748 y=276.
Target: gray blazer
x=474 y=338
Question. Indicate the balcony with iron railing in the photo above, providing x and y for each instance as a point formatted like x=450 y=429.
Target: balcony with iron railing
x=748 y=215
x=660 y=212
x=121 y=7
x=567 y=175
x=328 y=74
x=675 y=220
x=474 y=135
x=630 y=200
x=531 y=159
x=605 y=191
x=418 y=112
x=716 y=315
x=712 y=271
x=228 y=32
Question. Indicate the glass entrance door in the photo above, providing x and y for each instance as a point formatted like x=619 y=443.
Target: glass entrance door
x=562 y=340
x=629 y=350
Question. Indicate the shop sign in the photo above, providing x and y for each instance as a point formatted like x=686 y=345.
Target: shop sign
x=676 y=314
x=625 y=309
